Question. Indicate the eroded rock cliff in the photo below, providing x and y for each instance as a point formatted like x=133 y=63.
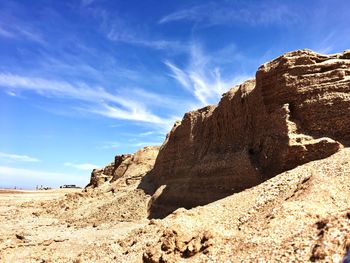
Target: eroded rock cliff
x=296 y=110
x=126 y=169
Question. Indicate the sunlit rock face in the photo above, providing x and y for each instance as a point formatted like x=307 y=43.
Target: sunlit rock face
x=296 y=110
x=126 y=169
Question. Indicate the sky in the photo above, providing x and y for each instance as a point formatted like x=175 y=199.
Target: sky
x=84 y=80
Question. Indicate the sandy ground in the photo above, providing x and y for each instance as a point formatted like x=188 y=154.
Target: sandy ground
x=301 y=215
x=35 y=229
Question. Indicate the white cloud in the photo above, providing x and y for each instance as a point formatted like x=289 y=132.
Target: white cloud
x=11 y=93
x=122 y=30
x=86 y=2
x=156 y=99
x=102 y=102
x=76 y=66
x=160 y=44
x=144 y=134
x=118 y=34
x=110 y=145
x=27 y=178
x=19 y=31
x=17 y=158
x=30 y=35
x=82 y=166
x=232 y=13
x=201 y=78
x=326 y=45
x=135 y=114
x=179 y=75
x=142 y=144
x=53 y=88
x=5 y=33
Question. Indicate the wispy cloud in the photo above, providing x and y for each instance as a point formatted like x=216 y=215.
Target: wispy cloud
x=27 y=177
x=127 y=36
x=202 y=79
x=110 y=145
x=232 y=13
x=179 y=75
x=144 y=134
x=156 y=99
x=21 y=32
x=118 y=29
x=17 y=158
x=30 y=35
x=14 y=26
x=101 y=101
x=86 y=2
x=131 y=139
x=142 y=144
x=81 y=166
x=5 y=33
x=135 y=114
x=329 y=43
x=75 y=66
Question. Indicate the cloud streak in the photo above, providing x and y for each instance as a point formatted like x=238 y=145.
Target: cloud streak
x=21 y=32
x=118 y=29
x=101 y=101
x=135 y=114
x=86 y=2
x=120 y=35
x=201 y=78
x=5 y=33
x=231 y=14
x=17 y=158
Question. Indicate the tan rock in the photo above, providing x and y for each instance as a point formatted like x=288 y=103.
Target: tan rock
x=296 y=111
x=129 y=168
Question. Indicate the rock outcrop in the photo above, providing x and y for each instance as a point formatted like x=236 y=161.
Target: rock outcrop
x=126 y=169
x=295 y=111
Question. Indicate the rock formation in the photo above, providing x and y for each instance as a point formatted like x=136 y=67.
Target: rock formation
x=296 y=110
x=279 y=143
x=126 y=169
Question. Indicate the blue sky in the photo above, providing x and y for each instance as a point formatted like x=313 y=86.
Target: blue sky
x=84 y=80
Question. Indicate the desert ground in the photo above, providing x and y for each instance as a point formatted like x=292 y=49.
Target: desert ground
x=301 y=215
x=37 y=226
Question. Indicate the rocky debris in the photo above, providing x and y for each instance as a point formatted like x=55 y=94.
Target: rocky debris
x=333 y=238
x=98 y=177
x=20 y=236
x=113 y=190
x=129 y=167
x=294 y=112
x=279 y=220
x=173 y=244
x=94 y=208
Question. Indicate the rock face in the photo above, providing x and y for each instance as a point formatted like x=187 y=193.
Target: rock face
x=129 y=167
x=296 y=110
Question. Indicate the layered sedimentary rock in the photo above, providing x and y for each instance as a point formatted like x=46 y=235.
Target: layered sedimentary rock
x=296 y=110
x=129 y=167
